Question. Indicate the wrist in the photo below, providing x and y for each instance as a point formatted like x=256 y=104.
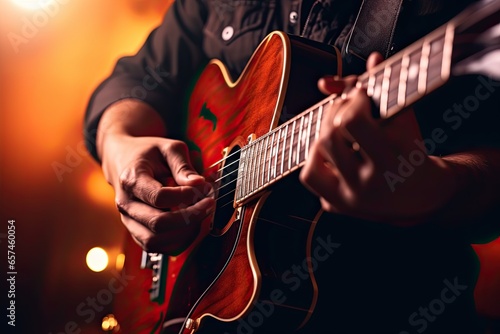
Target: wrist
x=128 y=117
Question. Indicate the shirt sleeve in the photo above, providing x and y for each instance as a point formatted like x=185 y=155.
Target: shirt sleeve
x=159 y=73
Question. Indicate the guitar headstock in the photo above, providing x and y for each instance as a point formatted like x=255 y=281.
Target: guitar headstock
x=476 y=46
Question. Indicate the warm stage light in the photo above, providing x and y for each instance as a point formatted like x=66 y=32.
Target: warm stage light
x=120 y=261
x=97 y=259
x=33 y=4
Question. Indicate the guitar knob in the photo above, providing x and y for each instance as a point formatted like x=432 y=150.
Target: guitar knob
x=191 y=324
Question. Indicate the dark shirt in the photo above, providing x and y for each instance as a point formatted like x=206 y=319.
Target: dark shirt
x=383 y=279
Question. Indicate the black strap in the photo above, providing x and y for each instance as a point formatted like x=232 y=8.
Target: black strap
x=374 y=28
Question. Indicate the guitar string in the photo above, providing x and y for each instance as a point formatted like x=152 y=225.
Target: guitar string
x=266 y=147
x=431 y=67
x=240 y=177
x=234 y=190
x=302 y=150
x=262 y=164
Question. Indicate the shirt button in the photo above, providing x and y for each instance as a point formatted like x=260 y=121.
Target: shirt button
x=294 y=16
x=227 y=33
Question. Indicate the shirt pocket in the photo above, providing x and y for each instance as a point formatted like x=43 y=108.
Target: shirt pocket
x=235 y=28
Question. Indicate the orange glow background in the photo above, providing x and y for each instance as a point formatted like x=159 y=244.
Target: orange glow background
x=45 y=83
x=45 y=86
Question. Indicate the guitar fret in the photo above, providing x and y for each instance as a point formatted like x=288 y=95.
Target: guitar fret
x=259 y=163
x=303 y=139
x=318 y=122
x=238 y=175
x=284 y=150
x=436 y=61
x=309 y=125
x=276 y=155
x=270 y=158
x=262 y=168
x=394 y=86
x=299 y=139
x=403 y=77
x=295 y=144
x=377 y=87
x=424 y=64
x=252 y=170
x=384 y=99
x=266 y=148
x=312 y=134
x=249 y=170
x=290 y=159
x=370 y=90
x=413 y=74
x=243 y=168
x=447 y=52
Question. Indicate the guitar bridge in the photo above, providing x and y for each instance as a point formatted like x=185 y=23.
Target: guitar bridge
x=158 y=264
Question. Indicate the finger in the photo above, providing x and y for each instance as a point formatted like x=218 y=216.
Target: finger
x=358 y=126
x=171 y=243
x=159 y=221
x=373 y=60
x=177 y=156
x=335 y=85
x=319 y=175
x=140 y=182
x=347 y=160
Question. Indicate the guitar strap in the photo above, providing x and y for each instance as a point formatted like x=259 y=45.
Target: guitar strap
x=374 y=28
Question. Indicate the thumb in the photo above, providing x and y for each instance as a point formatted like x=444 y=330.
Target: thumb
x=177 y=157
x=373 y=60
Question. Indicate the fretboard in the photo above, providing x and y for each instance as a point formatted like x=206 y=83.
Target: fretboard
x=393 y=85
x=279 y=152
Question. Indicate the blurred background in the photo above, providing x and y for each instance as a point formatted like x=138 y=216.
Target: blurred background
x=51 y=59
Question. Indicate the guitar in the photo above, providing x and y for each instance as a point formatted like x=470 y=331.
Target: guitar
x=251 y=136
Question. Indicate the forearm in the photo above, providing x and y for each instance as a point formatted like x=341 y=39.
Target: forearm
x=476 y=175
x=130 y=117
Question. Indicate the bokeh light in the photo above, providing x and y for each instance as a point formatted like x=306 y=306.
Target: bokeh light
x=97 y=259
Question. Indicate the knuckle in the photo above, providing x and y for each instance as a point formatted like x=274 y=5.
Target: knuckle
x=121 y=205
x=149 y=244
x=177 y=146
x=127 y=179
x=153 y=224
x=152 y=197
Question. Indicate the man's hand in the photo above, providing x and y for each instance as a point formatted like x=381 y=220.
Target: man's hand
x=348 y=165
x=161 y=198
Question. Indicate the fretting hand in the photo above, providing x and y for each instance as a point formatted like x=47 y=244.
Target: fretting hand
x=353 y=166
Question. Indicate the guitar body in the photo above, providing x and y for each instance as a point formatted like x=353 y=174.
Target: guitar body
x=238 y=275
x=252 y=269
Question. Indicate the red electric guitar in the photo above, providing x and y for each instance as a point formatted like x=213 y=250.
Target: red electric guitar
x=250 y=136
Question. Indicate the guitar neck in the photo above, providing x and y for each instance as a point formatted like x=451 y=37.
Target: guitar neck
x=279 y=152
x=393 y=85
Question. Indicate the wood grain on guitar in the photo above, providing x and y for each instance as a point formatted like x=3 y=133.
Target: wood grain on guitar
x=250 y=136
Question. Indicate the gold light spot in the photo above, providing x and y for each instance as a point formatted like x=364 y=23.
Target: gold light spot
x=120 y=261
x=97 y=259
